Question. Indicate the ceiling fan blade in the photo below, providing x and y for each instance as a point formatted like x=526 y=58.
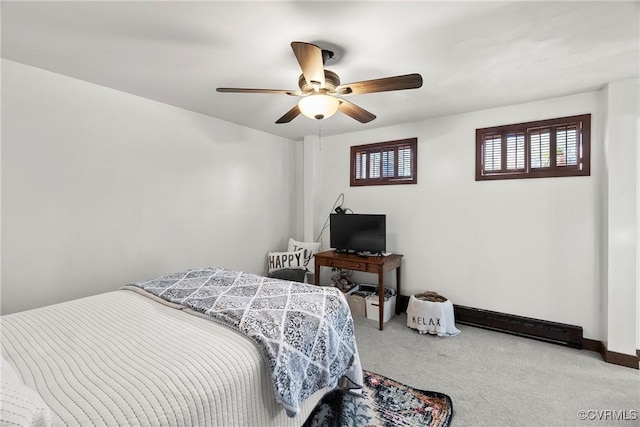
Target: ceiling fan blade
x=272 y=91
x=309 y=57
x=289 y=115
x=407 y=81
x=355 y=112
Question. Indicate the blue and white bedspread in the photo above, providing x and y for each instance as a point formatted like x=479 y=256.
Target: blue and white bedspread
x=306 y=331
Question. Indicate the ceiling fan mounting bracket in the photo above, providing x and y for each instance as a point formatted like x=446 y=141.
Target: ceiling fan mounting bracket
x=326 y=55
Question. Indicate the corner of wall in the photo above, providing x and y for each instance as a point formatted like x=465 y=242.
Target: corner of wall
x=310 y=148
x=622 y=264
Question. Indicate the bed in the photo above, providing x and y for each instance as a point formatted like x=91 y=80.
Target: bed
x=135 y=357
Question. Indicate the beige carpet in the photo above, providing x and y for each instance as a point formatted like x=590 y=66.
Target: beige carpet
x=495 y=379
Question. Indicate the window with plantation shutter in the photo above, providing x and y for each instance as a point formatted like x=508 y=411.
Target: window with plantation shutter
x=546 y=148
x=391 y=162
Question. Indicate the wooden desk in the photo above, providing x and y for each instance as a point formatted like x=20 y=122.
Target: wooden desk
x=370 y=264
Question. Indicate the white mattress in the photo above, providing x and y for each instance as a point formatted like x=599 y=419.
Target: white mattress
x=120 y=358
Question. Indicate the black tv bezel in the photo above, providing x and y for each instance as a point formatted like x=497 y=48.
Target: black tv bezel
x=358 y=250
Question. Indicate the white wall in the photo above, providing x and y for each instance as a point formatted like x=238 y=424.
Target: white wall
x=621 y=148
x=100 y=188
x=527 y=247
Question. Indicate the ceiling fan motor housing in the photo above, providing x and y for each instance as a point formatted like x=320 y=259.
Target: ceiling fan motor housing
x=331 y=82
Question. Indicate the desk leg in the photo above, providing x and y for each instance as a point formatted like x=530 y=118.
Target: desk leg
x=381 y=298
x=316 y=276
x=398 y=281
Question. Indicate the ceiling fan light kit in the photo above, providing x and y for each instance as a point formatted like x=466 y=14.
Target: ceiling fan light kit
x=319 y=106
x=321 y=90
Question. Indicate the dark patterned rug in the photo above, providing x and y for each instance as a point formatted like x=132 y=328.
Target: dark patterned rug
x=384 y=402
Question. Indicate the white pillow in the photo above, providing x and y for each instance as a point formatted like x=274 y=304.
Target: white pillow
x=20 y=405
x=280 y=260
x=308 y=249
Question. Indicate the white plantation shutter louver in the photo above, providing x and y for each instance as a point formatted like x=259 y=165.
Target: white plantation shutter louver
x=493 y=153
x=540 y=149
x=515 y=151
x=405 y=160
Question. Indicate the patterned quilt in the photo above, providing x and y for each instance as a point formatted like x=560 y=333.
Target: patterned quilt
x=305 y=331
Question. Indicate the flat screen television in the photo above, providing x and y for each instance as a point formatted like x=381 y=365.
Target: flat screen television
x=358 y=233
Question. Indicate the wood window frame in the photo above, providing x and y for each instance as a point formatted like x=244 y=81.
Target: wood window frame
x=582 y=123
x=382 y=148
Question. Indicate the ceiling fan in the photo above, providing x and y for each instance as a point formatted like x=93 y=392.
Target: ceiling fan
x=320 y=89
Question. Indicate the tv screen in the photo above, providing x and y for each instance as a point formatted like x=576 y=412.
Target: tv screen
x=358 y=232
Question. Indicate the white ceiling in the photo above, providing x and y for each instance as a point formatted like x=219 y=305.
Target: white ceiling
x=472 y=55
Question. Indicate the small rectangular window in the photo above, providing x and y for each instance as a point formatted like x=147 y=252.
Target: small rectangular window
x=547 y=148
x=391 y=162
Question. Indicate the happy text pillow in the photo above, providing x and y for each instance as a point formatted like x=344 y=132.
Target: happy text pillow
x=281 y=260
x=307 y=249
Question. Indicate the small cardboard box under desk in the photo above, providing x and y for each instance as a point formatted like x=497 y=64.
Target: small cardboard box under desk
x=357 y=299
x=364 y=301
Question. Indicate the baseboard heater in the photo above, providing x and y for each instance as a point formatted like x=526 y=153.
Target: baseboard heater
x=544 y=330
